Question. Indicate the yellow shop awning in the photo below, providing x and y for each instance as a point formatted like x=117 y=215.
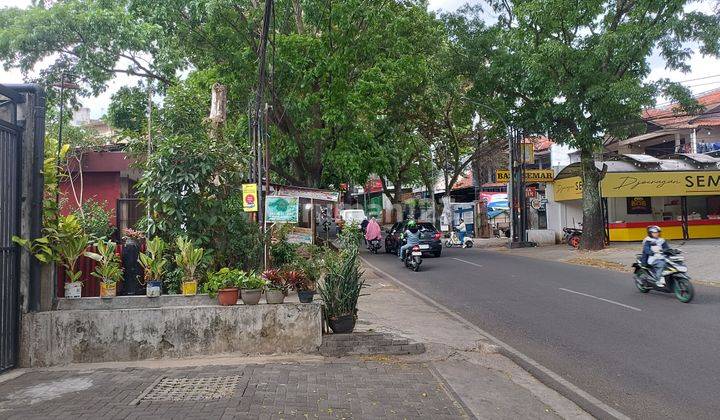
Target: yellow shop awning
x=641 y=175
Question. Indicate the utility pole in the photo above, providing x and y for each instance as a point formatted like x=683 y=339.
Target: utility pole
x=258 y=132
x=511 y=182
x=266 y=147
x=149 y=143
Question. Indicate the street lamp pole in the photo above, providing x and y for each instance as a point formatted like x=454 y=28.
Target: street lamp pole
x=62 y=87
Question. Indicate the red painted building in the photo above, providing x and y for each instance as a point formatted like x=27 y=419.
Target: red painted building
x=107 y=177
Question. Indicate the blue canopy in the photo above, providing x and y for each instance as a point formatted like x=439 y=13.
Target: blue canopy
x=495 y=213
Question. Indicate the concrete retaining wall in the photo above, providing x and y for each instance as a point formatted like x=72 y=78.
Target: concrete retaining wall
x=134 y=302
x=85 y=336
x=541 y=236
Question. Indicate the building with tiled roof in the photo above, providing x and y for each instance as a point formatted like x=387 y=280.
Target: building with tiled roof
x=670 y=130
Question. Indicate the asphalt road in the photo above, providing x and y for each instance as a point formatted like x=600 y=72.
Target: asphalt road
x=647 y=355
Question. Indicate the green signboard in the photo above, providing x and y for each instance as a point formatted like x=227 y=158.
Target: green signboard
x=281 y=209
x=374 y=207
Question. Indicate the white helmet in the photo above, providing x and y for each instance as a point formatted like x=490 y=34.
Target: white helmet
x=653 y=229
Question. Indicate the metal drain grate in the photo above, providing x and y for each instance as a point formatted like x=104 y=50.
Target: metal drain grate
x=190 y=389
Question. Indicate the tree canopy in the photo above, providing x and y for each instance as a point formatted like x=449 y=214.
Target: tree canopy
x=360 y=87
x=586 y=66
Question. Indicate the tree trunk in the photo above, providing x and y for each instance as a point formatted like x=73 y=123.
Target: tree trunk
x=593 y=237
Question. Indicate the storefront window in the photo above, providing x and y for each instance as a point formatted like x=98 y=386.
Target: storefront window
x=703 y=207
x=672 y=208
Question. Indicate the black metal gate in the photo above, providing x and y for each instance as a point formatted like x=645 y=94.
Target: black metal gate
x=10 y=197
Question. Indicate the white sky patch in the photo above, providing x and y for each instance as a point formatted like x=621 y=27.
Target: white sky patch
x=700 y=66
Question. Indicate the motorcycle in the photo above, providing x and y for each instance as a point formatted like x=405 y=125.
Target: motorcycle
x=676 y=279
x=413 y=258
x=571 y=236
x=374 y=246
x=454 y=241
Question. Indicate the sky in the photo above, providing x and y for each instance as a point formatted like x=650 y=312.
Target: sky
x=704 y=75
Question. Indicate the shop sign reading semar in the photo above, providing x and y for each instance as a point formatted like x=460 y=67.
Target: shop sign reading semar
x=648 y=184
x=531 y=175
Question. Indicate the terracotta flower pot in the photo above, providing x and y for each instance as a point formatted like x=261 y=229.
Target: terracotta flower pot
x=251 y=296
x=108 y=290
x=274 y=296
x=343 y=324
x=228 y=297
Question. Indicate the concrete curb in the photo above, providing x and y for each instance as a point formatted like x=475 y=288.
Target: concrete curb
x=450 y=391
x=587 y=402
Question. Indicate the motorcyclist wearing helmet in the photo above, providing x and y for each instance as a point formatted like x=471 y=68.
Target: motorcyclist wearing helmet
x=654 y=247
x=412 y=236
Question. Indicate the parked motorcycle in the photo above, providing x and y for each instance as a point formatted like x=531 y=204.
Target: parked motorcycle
x=454 y=241
x=413 y=258
x=374 y=246
x=676 y=279
x=571 y=236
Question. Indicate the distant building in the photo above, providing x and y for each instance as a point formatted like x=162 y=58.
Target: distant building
x=81 y=118
x=670 y=130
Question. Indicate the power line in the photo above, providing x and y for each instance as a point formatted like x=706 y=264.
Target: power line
x=698 y=78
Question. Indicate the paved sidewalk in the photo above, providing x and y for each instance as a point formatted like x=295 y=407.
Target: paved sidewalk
x=357 y=389
x=701 y=256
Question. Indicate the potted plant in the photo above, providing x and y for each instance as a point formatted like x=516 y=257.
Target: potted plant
x=305 y=273
x=64 y=244
x=277 y=287
x=301 y=283
x=188 y=258
x=133 y=236
x=108 y=267
x=252 y=289
x=154 y=262
x=224 y=284
x=71 y=244
x=341 y=289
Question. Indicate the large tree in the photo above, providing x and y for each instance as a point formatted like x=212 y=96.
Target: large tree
x=468 y=105
x=586 y=65
x=334 y=66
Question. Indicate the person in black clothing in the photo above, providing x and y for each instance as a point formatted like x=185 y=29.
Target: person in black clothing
x=363 y=228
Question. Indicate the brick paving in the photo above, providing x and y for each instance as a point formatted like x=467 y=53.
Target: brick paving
x=368 y=343
x=358 y=389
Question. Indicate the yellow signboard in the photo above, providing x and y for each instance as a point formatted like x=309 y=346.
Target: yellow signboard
x=531 y=175
x=661 y=184
x=644 y=184
x=567 y=189
x=250 y=199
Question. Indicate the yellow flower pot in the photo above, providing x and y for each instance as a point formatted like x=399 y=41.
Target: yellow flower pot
x=189 y=288
x=108 y=290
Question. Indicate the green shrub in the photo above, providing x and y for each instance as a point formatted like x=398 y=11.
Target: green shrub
x=223 y=279
x=282 y=252
x=95 y=219
x=253 y=281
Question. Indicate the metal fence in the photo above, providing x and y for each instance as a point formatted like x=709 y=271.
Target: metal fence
x=10 y=167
